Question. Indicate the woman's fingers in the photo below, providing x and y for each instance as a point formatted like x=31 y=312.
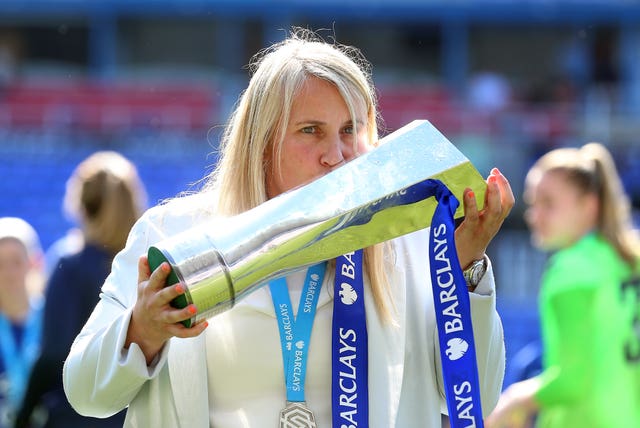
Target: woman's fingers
x=471 y=213
x=502 y=198
x=179 y=330
x=480 y=226
x=493 y=199
x=155 y=297
x=154 y=320
x=144 y=271
x=159 y=301
x=158 y=278
x=499 y=201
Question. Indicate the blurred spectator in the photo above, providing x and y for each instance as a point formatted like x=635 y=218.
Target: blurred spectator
x=573 y=60
x=107 y=196
x=71 y=243
x=604 y=92
x=489 y=92
x=604 y=69
x=21 y=283
x=10 y=56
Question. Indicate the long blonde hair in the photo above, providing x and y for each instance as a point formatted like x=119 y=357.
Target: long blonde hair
x=106 y=196
x=257 y=126
x=592 y=170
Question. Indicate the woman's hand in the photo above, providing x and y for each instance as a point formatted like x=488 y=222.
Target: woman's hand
x=154 y=320
x=516 y=407
x=479 y=227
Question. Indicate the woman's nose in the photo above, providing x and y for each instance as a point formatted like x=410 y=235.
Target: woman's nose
x=334 y=155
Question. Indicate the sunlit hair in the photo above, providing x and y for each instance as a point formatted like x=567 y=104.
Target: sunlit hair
x=256 y=128
x=591 y=169
x=105 y=196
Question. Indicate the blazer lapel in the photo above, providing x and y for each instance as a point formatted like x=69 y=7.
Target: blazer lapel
x=188 y=375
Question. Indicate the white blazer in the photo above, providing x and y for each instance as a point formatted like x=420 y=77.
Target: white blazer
x=405 y=381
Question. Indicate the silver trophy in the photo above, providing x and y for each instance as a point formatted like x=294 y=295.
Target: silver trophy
x=374 y=198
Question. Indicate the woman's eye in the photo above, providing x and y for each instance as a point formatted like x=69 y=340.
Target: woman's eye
x=308 y=130
x=348 y=129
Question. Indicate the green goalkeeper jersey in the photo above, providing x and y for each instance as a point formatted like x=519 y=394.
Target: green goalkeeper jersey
x=590 y=330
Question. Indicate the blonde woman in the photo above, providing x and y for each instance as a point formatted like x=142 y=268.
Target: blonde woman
x=589 y=300
x=309 y=108
x=21 y=285
x=105 y=196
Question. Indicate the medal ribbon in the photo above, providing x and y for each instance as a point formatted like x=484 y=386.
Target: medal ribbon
x=349 y=383
x=453 y=315
x=18 y=359
x=295 y=333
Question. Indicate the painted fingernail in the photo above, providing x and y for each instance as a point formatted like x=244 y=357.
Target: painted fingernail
x=165 y=267
x=470 y=194
x=179 y=288
x=192 y=309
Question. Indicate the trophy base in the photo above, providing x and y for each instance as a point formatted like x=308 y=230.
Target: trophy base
x=156 y=257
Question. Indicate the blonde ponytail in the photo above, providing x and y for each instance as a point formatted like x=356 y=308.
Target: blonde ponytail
x=614 y=220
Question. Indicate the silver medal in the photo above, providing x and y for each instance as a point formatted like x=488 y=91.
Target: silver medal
x=297 y=415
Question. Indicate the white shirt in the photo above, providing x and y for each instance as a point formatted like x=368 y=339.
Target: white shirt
x=246 y=377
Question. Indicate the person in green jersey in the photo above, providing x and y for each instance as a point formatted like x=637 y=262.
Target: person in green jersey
x=578 y=211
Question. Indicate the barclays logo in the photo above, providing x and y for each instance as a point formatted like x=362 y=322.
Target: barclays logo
x=348 y=295
x=456 y=348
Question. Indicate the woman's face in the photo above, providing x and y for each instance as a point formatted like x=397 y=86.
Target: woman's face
x=14 y=264
x=558 y=213
x=318 y=138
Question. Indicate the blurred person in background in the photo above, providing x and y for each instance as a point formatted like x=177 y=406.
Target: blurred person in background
x=589 y=306
x=105 y=196
x=309 y=108
x=70 y=243
x=21 y=287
